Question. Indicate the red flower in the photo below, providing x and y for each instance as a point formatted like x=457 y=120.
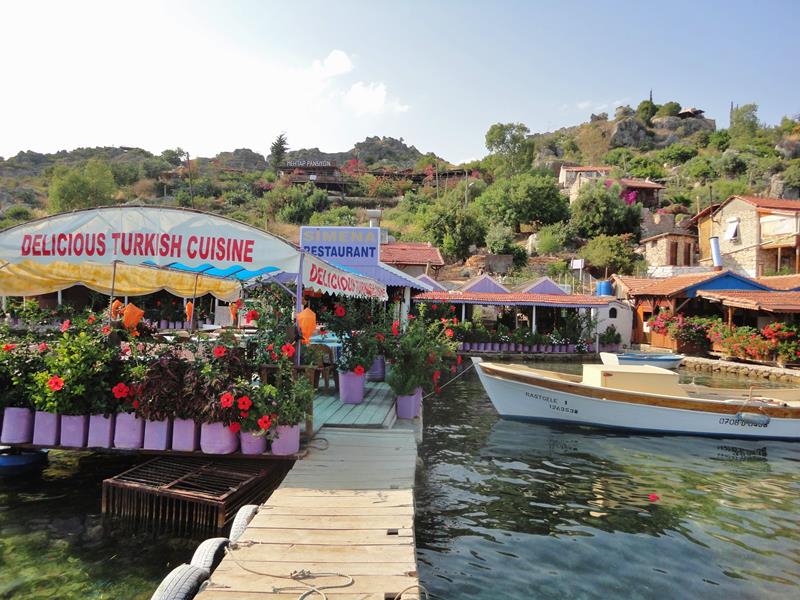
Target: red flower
x=458 y=359
x=271 y=347
x=654 y=497
x=455 y=320
x=65 y=325
x=43 y=347
x=431 y=358
x=265 y=422
x=8 y=347
x=288 y=350
x=437 y=389
x=396 y=328
x=411 y=317
x=120 y=391
x=106 y=329
x=91 y=319
x=219 y=351
x=380 y=337
x=244 y=403
x=453 y=308
x=226 y=400
x=339 y=311
x=135 y=404
x=55 y=383
x=244 y=414
x=434 y=306
x=273 y=356
x=448 y=332
x=436 y=376
x=359 y=370
x=235 y=427
x=252 y=315
x=453 y=369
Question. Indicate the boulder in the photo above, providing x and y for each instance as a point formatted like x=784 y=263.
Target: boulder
x=779 y=189
x=789 y=148
x=629 y=133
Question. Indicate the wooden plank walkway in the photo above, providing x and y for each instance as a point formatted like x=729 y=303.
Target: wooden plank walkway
x=347 y=509
x=377 y=410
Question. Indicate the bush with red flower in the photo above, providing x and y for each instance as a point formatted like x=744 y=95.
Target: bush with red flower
x=355 y=324
x=19 y=361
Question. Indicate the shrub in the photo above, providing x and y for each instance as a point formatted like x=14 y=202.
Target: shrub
x=499 y=239
x=340 y=215
x=551 y=239
x=676 y=154
x=668 y=109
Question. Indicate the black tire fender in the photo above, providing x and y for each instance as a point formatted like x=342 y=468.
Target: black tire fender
x=182 y=583
x=243 y=516
x=209 y=554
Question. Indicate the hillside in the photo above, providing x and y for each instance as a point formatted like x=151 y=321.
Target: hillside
x=373 y=151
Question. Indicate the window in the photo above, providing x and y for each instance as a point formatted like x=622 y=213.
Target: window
x=687 y=254
x=612 y=313
x=732 y=231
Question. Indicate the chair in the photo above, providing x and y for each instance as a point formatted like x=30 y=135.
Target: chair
x=326 y=365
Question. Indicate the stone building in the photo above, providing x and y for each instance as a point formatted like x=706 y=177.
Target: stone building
x=757 y=236
x=670 y=253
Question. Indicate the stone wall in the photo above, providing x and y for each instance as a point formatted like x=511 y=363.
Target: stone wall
x=656 y=252
x=712 y=365
x=742 y=255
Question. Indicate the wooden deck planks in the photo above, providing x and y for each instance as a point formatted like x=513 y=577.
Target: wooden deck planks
x=346 y=509
x=375 y=411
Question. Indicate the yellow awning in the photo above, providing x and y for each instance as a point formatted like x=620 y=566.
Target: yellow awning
x=28 y=278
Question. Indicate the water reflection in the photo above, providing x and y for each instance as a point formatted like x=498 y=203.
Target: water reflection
x=517 y=510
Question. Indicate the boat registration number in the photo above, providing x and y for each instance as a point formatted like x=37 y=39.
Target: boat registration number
x=554 y=403
x=738 y=422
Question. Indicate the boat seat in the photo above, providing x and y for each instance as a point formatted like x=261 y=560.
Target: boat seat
x=634 y=378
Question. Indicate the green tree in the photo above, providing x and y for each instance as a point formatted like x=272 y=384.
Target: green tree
x=791 y=175
x=552 y=239
x=618 y=157
x=523 y=199
x=509 y=141
x=453 y=227
x=676 y=154
x=599 y=210
x=339 y=216
x=645 y=167
x=700 y=168
x=124 y=173
x=614 y=253
x=646 y=111
x=70 y=189
x=295 y=204
x=719 y=140
x=668 y=109
x=277 y=151
x=173 y=157
x=744 y=124
x=499 y=239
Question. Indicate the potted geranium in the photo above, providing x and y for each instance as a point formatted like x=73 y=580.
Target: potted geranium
x=19 y=360
x=257 y=405
x=293 y=401
x=75 y=381
x=358 y=348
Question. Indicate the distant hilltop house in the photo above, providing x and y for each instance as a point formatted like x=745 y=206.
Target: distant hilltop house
x=572 y=178
x=757 y=236
x=323 y=174
x=691 y=113
x=670 y=253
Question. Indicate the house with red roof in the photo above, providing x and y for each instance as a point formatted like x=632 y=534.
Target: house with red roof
x=413 y=258
x=757 y=236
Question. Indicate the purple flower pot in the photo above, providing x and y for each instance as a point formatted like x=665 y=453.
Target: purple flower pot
x=406 y=406
x=129 y=431
x=590 y=347
x=377 y=372
x=526 y=348
x=157 y=434
x=479 y=347
x=351 y=387
x=254 y=444
x=46 y=428
x=185 y=435
x=101 y=431
x=17 y=426
x=418 y=402
x=287 y=440
x=549 y=348
x=163 y=324
x=74 y=431
x=187 y=324
x=504 y=347
x=216 y=438
x=570 y=347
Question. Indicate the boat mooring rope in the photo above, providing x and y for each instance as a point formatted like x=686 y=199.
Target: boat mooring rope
x=451 y=380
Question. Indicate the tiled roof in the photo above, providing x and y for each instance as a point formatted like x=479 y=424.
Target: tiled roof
x=779 y=302
x=408 y=253
x=776 y=203
x=666 y=234
x=634 y=284
x=669 y=286
x=566 y=300
x=781 y=282
x=587 y=169
x=641 y=184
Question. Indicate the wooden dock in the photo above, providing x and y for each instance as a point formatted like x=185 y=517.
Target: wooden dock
x=345 y=513
x=377 y=410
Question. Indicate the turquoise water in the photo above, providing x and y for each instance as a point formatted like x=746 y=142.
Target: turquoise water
x=519 y=510
x=53 y=543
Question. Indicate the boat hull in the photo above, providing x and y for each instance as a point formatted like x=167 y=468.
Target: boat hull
x=665 y=361
x=531 y=402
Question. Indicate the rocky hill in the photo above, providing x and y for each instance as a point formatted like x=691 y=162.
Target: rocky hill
x=373 y=151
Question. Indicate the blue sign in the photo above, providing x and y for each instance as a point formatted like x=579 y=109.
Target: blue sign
x=348 y=246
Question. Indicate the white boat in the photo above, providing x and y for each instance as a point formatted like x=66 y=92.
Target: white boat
x=640 y=398
x=665 y=361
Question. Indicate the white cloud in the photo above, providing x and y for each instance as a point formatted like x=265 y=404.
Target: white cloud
x=583 y=105
x=371 y=99
x=602 y=106
x=336 y=63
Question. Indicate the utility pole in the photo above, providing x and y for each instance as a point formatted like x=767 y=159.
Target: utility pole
x=191 y=182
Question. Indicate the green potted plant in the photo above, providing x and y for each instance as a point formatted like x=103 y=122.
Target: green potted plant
x=19 y=360
x=159 y=386
x=257 y=405
x=293 y=401
x=347 y=321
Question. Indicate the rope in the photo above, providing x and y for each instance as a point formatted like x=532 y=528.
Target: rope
x=416 y=586
x=295 y=576
x=451 y=380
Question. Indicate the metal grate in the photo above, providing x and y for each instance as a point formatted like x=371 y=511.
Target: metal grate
x=189 y=496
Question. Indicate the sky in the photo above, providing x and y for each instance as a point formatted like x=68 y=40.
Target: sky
x=212 y=76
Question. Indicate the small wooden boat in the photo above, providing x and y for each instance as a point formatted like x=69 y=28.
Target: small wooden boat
x=14 y=462
x=665 y=361
x=640 y=398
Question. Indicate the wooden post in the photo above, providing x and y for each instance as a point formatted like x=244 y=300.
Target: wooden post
x=730 y=315
x=463 y=312
x=778 y=266
x=796 y=257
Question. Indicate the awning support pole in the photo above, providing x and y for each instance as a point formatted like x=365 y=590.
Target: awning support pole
x=463 y=312
x=406 y=307
x=533 y=319
x=595 y=316
x=194 y=301
x=298 y=307
x=113 y=285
